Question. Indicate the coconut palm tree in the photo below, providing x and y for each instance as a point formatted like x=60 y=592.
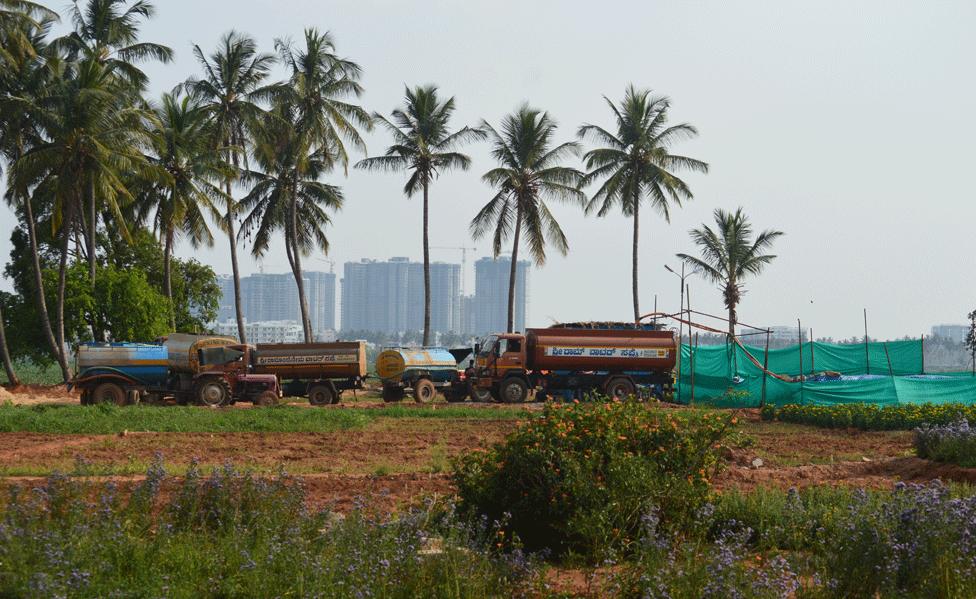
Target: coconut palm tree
x=182 y=146
x=231 y=90
x=315 y=104
x=106 y=32
x=424 y=146
x=90 y=145
x=8 y=365
x=637 y=165
x=319 y=87
x=24 y=77
x=530 y=172
x=19 y=21
x=729 y=254
x=287 y=194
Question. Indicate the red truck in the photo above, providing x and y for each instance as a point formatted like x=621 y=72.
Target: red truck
x=573 y=360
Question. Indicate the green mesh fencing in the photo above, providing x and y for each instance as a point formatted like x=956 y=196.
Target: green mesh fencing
x=882 y=373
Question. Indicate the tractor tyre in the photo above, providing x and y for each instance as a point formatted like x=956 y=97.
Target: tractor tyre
x=266 y=399
x=212 y=392
x=424 y=391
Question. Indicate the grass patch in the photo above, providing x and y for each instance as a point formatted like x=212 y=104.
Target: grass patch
x=453 y=412
x=107 y=419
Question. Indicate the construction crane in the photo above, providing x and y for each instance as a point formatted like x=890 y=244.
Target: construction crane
x=464 y=259
x=328 y=261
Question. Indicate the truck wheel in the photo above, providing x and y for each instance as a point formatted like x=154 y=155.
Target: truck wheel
x=321 y=395
x=514 y=390
x=86 y=397
x=453 y=395
x=620 y=388
x=213 y=393
x=424 y=391
x=266 y=398
x=479 y=394
x=108 y=393
x=392 y=394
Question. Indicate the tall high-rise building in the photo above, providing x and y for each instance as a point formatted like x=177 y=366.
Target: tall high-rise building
x=389 y=296
x=274 y=297
x=490 y=304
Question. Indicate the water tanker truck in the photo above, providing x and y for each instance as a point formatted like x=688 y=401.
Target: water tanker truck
x=319 y=371
x=422 y=372
x=573 y=360
x=202 y=369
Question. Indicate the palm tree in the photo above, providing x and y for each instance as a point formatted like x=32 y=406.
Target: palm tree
x=19 y=20
x=729 y=254
x=637 y=164
x=182 y=146
x=24 y=77
x=529 y=172
x=319 y=85
x=8 y=365
x=423 y=145
x=91 y=141
x=314 y=104
x=230 y=92
x=287 y=194
x=106 y=32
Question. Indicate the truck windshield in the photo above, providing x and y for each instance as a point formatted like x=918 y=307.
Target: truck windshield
x=488 y=345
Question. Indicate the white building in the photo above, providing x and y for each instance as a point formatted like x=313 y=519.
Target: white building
x=268 y=331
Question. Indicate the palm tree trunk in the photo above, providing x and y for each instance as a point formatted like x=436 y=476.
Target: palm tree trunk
x=637 y=313
x=426 y=272
x=514 y=271
x=39 y=296
x=233 y=264
x=62 y=281
x=8 y=366
x=98 y=334
x=296 y=262
x=168 y=276
x=92 y=222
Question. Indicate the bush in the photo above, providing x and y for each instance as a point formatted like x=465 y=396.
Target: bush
x=872 y=417
x=233 y=535
x=954 y=443
x=578 y=478
x=916 y=542
x=667 y=566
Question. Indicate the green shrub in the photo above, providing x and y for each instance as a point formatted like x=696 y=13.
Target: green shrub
x=578 y=478
x=233 y=535
x=872 y=417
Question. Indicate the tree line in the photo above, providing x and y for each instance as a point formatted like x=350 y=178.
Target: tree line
x=92 y=164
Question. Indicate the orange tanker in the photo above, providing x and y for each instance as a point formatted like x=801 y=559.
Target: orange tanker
x=614 y=359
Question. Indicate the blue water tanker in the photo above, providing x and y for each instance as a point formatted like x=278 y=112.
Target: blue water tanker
x=146 y=363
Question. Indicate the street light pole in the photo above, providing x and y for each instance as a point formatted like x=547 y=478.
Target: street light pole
x=681 y=313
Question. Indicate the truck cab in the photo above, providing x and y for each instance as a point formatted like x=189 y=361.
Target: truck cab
x=500 y=368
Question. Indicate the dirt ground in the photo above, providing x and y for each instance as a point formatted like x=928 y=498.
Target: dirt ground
x=398 y=461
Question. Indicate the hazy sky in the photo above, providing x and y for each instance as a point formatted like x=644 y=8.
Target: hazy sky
x=848 y=125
